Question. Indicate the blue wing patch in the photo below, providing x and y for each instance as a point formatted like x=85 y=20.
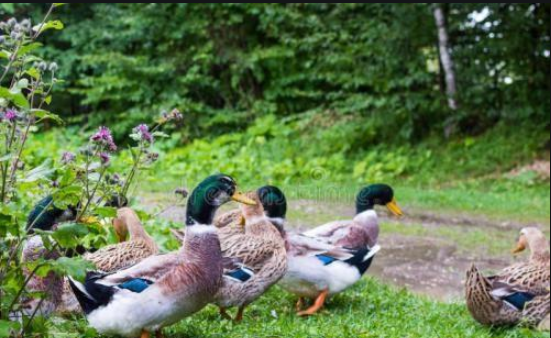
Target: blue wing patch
x=519 y=300
x=326 y=260
x=137 y=285
x=242 y=275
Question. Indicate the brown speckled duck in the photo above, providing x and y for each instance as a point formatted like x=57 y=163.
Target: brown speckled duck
x=162 y=290
x=260 y=251
x=125 y=254
x=519 y=294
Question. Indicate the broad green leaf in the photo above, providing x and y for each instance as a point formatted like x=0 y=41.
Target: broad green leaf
x=5 y=93
x=53 y=24
x=67 y=196
x=74 y=267
x=22 y=84
x=68 y=235
x=41 y=172
x=34 y=73
x=106 y=212
x=29 y=48
x=6 y=328
x=60 y=4
x=46 y=115
x=20 y=100
x=161 y=134
x=4 y=54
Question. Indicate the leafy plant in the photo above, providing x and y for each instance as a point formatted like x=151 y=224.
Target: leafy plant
x=83 y=183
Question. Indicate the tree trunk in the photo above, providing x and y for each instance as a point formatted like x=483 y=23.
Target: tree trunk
x=445 y=56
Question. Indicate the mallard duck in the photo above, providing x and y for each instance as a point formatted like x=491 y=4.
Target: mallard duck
x=328 y=260
x=520 y=293
x=45 y=215
x=115 y=257
x=162 y=290
x=260 y=251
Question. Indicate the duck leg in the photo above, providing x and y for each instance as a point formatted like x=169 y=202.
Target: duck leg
x=320 y=301
x=240 y=314
x=145 y=334
x=300 y=304
x=224 y=314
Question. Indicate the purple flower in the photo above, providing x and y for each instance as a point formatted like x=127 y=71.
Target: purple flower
x=55 y=184
x=10 y=115
x=152 y=158
x=174 y=115
x=142 y=133
x=105 y=159
x=104 y=139
x=68 y=158
x=115 y=179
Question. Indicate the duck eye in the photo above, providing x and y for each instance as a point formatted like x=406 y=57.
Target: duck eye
x=227 y=180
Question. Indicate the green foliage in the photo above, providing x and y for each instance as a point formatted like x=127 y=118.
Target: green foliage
x=226 y=65
x=82 y=181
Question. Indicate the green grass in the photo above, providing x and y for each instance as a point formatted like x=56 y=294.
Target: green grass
x=367 y=310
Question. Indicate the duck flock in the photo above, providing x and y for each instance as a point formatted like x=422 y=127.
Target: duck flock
x=231 y=260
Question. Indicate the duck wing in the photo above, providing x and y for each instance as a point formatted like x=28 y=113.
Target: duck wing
x=120 y=256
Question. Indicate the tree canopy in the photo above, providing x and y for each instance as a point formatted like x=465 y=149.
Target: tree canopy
x=226 y=64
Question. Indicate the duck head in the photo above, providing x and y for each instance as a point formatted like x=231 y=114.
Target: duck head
x=533 y=239
x=377 y=194
x=275 y=205
x=209 y=196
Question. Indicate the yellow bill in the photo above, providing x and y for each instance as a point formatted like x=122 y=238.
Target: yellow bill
x=519 y=248
x=394 y=208
x=522 y=245
x=241 y=198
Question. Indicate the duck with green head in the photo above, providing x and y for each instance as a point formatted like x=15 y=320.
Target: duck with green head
x=162 y=290
x=331 y=258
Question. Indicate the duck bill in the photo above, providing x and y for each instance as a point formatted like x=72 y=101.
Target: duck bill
x=519 y=248
x=394 y=208
x=240 y=198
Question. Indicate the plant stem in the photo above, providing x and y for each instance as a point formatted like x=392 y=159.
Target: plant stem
x=39 y=31
x=132 y=172
x=91 y=197
x=5 y=166
x=12 y=60
x=19 y=153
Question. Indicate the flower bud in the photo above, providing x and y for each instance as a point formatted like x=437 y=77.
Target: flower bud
x=53 y=67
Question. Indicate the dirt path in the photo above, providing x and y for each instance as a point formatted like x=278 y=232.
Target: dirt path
x=432 y=265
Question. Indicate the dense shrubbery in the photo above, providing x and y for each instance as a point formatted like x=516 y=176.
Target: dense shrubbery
x=305 y=152
x=227 y=64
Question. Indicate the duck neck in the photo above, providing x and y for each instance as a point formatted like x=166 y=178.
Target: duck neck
x=199 y=210
x=363 y=206
x=539 y=247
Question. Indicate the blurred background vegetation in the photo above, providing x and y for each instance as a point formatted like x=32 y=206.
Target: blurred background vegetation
x=284 y=92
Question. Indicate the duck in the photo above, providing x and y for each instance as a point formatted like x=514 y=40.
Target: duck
x=517 y=295
x=328 y=260
x=44 y=216
x=134 y=245
x=331 y=258
x=164 y=289
x=261 y=254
